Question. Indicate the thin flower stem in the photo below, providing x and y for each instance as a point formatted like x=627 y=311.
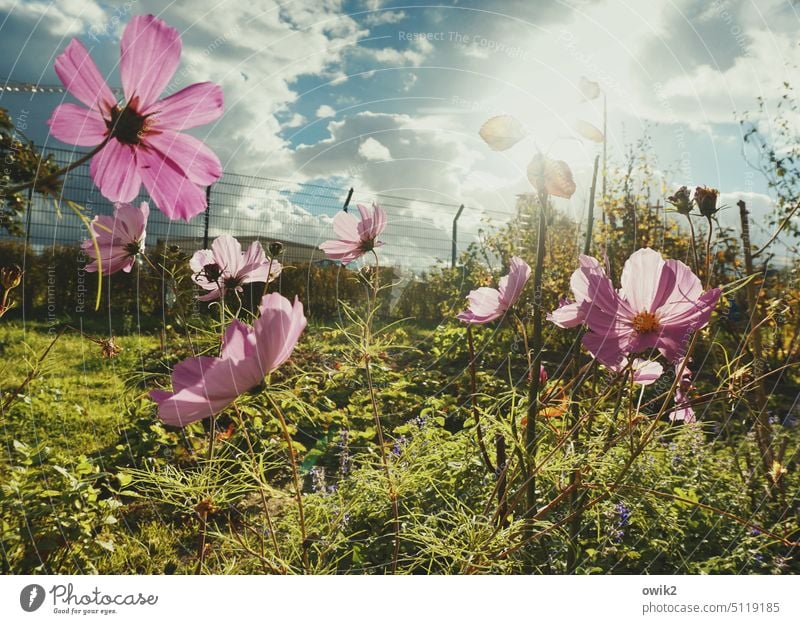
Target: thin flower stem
x=377 y=418
x=212 y=431
x=533 y=394
x=261 y=485
x=708 y=253
x=473 y=397
x=59 y=173
x=694 y=244
x=296 y=478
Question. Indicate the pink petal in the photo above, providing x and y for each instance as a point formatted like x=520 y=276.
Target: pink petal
x=610 y=349
x=345 y=225
x=195 y=159
x=640 y=278
x=343 y=251
x=567 y=316
x=190 y=372
x=174 y=194
x=277 y=330
x=76 y=125
x=365 y=225
x=115 y=172
x=484 y=306
x=238 y=341
x=690 y=314
x=511 y=285
x=502 y=132
x=200 y=259
x=215 y=294
x=151 y=51
x=196 y=105
x=227 y=253
x=646 y=372
x=78 y=73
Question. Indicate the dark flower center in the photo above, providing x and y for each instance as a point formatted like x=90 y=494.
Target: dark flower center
x=126 y=125
x=231 y=283
x=133 y=248
x=212 y=272
x=645 y=322
x=367 y=245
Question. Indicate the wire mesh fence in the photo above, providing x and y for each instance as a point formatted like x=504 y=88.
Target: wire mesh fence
x=420 y=232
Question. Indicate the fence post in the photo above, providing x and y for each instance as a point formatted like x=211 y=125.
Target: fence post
x=455 y=237
x=208 y=217
x=347 y=201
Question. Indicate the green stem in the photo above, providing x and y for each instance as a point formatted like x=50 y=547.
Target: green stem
x=56 y=174
x=298 y=490
x=473 y=397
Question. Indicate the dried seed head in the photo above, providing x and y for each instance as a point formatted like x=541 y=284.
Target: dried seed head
x=682 y=200
x=10 y=276
x=108 y=348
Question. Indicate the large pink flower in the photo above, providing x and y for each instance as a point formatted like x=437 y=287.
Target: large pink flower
x=120 y=238
x=355 y=237
x=142 y=136
x=225 y=268
x=204 y=386
x=661 y=303
x=571 y=314
x=488 y=304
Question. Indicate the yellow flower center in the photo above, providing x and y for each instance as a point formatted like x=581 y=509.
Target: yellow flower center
x=645 y=322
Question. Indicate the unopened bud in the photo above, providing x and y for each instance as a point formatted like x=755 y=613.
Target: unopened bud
x=275 y=248
x=10 y=276
x=706 y=200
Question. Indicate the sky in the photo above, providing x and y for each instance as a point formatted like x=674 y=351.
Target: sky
x=388 y=97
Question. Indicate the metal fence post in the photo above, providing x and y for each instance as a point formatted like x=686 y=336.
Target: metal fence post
x=455 y=236
x=347 y=201
x=208 y=217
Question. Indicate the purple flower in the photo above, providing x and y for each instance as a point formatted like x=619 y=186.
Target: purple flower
x=488 y=304
x=120 y=238
x=225 y=268
x=143 y=139
x=203 y=386
x=355 y=237
x=660 y=304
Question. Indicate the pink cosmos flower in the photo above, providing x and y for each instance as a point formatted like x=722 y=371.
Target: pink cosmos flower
x=225 y=268
x=204 y=386
x=683 y=408
x=660 y=304
x=355 y=237
x=142 y=137
x=120 y=238
x=571 y=314
x=488 y=304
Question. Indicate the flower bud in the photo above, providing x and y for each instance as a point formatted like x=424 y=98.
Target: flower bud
x=682 y=200
x=275 y=248
x=10 y=276
x=706 y=200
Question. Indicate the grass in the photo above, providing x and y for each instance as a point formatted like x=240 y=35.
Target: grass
x=77 y=400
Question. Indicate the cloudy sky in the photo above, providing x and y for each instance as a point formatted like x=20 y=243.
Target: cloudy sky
x=389 y=96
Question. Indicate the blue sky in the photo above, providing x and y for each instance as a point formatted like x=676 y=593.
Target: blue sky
x=389 y=96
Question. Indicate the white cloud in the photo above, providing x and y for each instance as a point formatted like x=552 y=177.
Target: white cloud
x=325 y=111
x=372 y=149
